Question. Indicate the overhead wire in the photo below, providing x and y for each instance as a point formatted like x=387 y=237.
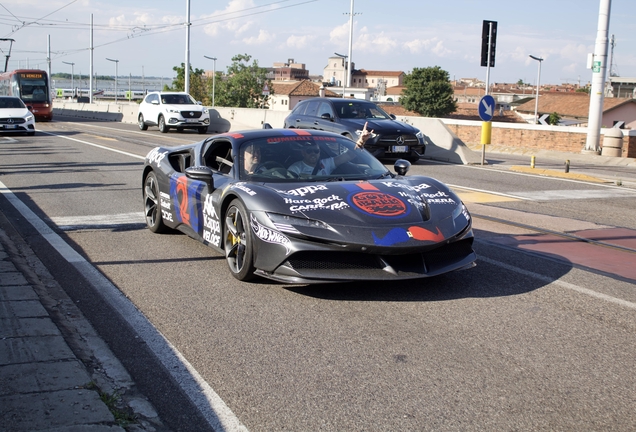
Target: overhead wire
x=165 y=28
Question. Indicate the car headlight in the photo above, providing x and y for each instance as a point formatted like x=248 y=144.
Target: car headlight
x=420 y=137
x=172 y=110
x=205 y=110
x=461 y=210
x=29 y=118
x=288 y=223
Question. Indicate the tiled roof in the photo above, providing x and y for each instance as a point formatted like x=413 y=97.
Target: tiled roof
x=395 y=90
x=376 y=73
x=302 y=88
x=463 y=112
x=574 y=105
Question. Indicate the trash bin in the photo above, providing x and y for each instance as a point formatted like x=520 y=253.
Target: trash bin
x=612 y=142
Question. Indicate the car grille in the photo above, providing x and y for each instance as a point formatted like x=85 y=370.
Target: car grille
x=361 y=266
x=389 y=140
x=191 y=114
x=11 y=120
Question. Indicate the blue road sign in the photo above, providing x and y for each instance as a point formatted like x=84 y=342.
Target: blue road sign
x=486 y=108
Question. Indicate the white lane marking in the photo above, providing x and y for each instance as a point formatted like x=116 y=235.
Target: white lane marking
x=98 y=146
x=9 y=139
x=576 y=194
x=130 y=132
x=563 y=284
x=70 y=222
x=210 y=405
x=488 y=192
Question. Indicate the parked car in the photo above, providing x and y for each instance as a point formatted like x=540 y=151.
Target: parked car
x=172 y=110
x=15 y=116
x=241 y=194
x=392 y=138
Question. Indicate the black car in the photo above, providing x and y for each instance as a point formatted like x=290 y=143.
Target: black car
x=246 y=195
x=392 y=138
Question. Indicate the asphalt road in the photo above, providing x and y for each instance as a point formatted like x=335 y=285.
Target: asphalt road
x=523 y=341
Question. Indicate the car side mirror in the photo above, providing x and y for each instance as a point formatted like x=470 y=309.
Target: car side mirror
x=203 y=174
x=267 y=126
x=30 y=108
x=326 y=116
x=402 y=166
x=392 y=116
x=155 y=102
x=199 y=103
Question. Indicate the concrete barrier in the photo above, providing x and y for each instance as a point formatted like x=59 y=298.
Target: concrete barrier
x=442 y=144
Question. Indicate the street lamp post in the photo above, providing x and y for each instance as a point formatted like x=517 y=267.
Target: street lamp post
x=213 y=76
x=344 y=72
x=116 y=74
x=72 y=75
x=536 y=102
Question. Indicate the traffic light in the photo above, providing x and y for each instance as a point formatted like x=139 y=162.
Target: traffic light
x=488 y=39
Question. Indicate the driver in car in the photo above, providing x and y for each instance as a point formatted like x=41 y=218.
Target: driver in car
x=251 y=158
x=311 y=164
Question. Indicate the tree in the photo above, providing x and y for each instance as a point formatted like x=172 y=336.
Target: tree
x=198 y=85
x=428 y=92
x=243 y=86
x=554 y=119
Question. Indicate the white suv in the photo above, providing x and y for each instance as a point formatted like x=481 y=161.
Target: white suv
x=172 y=110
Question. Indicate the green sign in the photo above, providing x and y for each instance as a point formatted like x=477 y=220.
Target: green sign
x=596 y=67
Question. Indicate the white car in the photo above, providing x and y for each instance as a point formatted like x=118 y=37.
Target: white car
x=15 y=116
x=172 y=110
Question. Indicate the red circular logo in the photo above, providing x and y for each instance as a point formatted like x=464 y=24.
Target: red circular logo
x=379 y=204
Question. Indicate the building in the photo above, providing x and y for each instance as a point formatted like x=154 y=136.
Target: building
x=573 y=108
x=334 y=74
x=621 y=87
x=286 y=95
x=290 y=71
x=380 y=80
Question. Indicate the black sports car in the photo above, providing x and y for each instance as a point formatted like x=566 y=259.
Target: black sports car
x=301 y=206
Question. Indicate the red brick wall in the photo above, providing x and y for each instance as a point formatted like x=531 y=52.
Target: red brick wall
x=571 y=142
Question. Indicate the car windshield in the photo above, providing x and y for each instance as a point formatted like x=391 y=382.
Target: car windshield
x=288 y=159
x=177 y=99
x=10 y=102
x=359 y=110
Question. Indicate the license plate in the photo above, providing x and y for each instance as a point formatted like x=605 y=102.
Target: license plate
x=399 y=149
x=192 y=120
x=10 y=126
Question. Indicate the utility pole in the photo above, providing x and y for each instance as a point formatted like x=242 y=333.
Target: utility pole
x=187 y=53
x=599 y=69
x=90 y=69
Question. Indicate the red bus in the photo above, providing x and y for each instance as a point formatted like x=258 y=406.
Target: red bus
x=32 y=86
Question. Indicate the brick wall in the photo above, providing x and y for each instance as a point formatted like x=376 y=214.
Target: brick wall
x=544 y=138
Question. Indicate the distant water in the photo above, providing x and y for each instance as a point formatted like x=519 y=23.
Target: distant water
x=123 y=84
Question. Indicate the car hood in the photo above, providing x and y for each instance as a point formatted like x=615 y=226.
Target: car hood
x=181 y=107
x=370 y=212
x=381 y=126
x=14 y=112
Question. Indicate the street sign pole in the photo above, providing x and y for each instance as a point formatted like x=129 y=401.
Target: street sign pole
x=487 y=104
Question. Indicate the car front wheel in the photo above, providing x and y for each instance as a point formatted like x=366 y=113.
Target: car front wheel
x=238 y=242
x=152 y=206
x=162 y=125
x=142 y=122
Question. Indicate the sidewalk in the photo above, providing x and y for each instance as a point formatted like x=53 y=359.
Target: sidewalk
x=56 y=374
x=587 y=167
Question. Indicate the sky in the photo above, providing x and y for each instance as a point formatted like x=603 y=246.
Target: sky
x=148 y=37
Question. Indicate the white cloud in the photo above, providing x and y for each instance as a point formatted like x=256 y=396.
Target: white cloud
x=339 y=35
x=262 y=38
x=226 y=23
x=300 y=41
